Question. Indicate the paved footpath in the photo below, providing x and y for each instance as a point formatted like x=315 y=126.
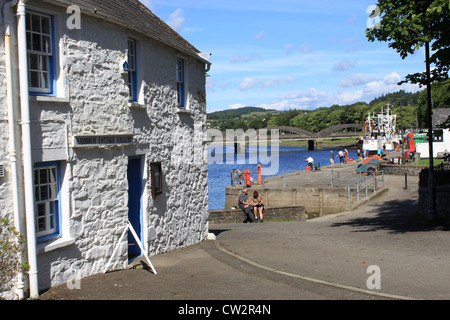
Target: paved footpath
x=324 y=258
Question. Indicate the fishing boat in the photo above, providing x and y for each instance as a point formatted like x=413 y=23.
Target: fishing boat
x=380 y=133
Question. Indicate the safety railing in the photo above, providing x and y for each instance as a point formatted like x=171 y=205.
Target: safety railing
x=246 y=178
x=364 y=186
x=285 y=178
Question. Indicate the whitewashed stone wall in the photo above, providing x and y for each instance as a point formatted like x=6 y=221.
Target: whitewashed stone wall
x=93 y=99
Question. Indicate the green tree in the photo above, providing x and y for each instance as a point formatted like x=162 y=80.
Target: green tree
x=11 y=251
x=408 y=24
x=301 y=121
x=283 y=119
x=440 y=97
x=241 y=124
x=255 y=123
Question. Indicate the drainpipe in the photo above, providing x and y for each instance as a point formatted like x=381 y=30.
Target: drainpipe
x=26 y=141
x=12 y=132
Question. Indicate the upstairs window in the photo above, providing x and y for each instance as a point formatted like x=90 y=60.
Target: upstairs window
x=132 y=70
x=180 y=83
x=40 y=52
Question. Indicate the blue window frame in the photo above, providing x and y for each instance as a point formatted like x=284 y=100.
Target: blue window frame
x=47 y=186
x=132 y=79
x=40 y=52
x=180 y=83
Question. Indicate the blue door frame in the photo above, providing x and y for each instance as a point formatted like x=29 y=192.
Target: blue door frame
x=134 y=204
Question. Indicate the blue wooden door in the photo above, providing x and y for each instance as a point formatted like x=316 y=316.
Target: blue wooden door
x=134 y=205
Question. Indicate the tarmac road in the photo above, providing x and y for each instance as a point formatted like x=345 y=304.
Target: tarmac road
x=321 y=259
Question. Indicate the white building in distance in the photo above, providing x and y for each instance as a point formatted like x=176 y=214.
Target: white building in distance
x=441 y=137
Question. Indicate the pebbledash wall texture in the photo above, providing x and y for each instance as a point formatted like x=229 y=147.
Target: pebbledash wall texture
x=115 y=158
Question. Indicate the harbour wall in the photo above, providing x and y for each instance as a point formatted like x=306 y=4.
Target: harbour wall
x=317 y=200
x=292 y=212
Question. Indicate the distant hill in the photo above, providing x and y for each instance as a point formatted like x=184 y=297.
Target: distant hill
x=236 y=113
x=410 y=106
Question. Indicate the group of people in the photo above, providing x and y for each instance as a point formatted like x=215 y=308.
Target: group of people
x=342 y=154
x=253 y=208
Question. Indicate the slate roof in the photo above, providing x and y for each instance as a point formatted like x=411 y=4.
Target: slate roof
x=135 y=16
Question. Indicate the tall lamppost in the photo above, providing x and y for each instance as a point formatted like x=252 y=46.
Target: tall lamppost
x=431 y=181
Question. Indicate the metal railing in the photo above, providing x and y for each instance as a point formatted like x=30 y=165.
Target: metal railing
x=241 y=180
x=364 y=186
x=285 y=178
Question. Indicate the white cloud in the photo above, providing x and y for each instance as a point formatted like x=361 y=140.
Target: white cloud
x=176 y=20
x=250 y=83
x=392 y=78
x=260 y=35
x=237 y=106
x=148 y=4
x=349 y=97
x=306 y=47
x=239 y=58
x=344 y=65
x=355 y=80
x=289 y=47
x=313 y=98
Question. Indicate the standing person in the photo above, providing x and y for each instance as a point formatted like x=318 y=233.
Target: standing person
x=237 y=176
x=258 y=205
x=331 y=157
x=446 y=155
x=341 y=156
x=346 y=155
x=310 y=161
x=246 y=207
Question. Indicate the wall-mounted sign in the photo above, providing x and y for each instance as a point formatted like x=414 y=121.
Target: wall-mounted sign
x=102 y=140
x=124 y=66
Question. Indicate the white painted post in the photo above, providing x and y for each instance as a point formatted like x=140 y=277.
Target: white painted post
x=130 y=227
x=140 y=246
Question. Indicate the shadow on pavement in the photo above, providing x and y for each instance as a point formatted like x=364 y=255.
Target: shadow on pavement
x=395 y=216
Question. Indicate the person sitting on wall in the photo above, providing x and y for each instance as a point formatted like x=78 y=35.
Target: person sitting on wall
x=246 y=207
x=258 y=205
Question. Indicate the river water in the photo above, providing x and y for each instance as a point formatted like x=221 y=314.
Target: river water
x=222 y=162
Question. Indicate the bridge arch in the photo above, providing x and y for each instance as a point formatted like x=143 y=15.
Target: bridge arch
x=326 y=133
x=301 y=132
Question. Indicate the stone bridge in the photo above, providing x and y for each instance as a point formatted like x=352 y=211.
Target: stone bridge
x=334 y=132
x=340 y=131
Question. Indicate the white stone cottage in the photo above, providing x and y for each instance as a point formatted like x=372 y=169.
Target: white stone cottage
x=102 y=121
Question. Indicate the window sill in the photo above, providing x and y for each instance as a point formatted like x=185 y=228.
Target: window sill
x=49 y=99
x=183 y=111
x=136 y=105
x=53 y=244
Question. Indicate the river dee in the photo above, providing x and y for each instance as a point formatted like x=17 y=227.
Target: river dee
x=287 y=159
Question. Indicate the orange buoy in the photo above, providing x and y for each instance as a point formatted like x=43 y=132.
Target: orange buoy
x=246 y=178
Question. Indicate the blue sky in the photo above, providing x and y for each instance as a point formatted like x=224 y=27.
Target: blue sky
x=289 y=54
